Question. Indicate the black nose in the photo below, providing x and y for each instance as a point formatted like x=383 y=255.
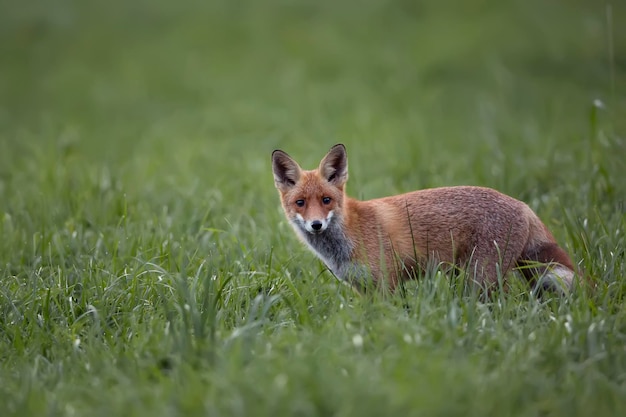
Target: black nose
x=316 y=225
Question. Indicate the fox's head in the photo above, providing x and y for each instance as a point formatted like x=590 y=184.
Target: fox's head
x=312 y=199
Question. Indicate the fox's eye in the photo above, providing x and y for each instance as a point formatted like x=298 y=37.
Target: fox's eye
x=326 y=200
x=300 y=203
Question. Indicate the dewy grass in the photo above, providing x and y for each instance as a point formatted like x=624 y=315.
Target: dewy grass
x=146 y=268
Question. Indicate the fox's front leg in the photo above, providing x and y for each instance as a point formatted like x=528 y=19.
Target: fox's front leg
x=356 y=274
x=362 y=277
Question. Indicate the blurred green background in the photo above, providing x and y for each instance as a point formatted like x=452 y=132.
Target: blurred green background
x=135 y=179
x=422 y=92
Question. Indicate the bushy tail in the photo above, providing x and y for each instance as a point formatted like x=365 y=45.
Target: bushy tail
x=548 y=267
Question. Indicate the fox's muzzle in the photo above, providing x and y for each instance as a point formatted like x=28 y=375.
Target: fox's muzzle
x=316 y=225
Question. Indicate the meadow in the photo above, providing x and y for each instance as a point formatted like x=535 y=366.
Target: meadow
x=146 y=267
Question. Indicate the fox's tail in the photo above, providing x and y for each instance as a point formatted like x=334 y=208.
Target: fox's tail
x=549 y=267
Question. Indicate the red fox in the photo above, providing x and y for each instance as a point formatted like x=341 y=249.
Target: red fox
x=389 y=239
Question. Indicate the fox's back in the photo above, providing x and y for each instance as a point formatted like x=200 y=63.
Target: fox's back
x=460 y=206
x=447 y=221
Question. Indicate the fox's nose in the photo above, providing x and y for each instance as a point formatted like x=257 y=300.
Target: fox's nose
x=316 y=225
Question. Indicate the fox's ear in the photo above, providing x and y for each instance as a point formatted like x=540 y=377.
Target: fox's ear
x=334 y=166
x=286 y=170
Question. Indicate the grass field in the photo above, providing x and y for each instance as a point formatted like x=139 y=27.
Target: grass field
x=146 y=268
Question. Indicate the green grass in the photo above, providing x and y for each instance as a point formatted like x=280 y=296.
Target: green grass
x=146 y=268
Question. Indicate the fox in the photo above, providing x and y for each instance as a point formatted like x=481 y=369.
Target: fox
x=388 y=240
